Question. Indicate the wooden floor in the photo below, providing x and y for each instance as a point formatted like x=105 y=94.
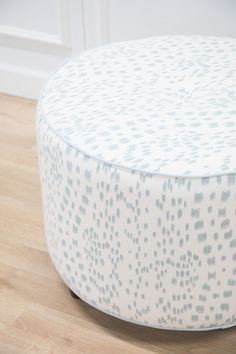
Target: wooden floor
x=37 y=314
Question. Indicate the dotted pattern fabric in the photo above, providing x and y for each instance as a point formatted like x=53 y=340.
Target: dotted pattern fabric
x=162 y=105
x=152 y=249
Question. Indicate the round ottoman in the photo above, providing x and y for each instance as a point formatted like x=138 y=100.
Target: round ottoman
x=137 y=146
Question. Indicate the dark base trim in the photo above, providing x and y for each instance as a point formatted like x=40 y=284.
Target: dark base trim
x=74 y=295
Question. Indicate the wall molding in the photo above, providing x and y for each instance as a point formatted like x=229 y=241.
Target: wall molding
x=104 y=21
x=96 y=21
x=39 y=41
x=21 y=81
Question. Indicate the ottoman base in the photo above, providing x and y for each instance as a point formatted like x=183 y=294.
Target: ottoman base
x=74 y=295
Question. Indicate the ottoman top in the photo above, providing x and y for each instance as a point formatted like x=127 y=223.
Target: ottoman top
x=164 y=105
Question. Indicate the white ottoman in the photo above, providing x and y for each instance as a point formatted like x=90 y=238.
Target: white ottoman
x=137 y=145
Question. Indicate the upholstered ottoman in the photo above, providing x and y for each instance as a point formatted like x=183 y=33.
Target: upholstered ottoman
x=137 y=146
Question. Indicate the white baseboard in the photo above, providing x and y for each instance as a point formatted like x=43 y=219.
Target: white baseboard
x=21 y=82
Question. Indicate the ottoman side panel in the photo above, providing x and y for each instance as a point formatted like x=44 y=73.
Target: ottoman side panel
x=154 y=250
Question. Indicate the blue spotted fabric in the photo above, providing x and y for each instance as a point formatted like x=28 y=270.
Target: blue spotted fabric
x=137 y=157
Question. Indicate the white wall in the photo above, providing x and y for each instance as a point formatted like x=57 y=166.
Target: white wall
x=38 y=36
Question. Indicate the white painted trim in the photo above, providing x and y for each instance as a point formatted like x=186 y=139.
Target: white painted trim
x=26 y=35
x=96 y=22
x=30 y=39
x=21 y=81
x=64 y=23
x=44 y=52
x=105 y=20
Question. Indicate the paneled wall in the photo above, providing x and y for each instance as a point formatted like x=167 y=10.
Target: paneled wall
x=38 y=36
x=35 y=38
